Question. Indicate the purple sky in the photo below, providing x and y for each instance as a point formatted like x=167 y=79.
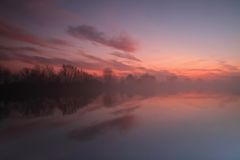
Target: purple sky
x=180 y=36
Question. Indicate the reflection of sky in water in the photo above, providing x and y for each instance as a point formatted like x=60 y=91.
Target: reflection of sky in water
x=182 y=127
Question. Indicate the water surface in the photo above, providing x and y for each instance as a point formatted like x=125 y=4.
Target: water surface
x=186 y=126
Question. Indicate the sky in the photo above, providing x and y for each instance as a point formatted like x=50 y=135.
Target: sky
x=186 y=37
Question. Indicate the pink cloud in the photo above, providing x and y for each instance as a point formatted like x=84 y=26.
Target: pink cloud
x=122 y=42
x=126 y=56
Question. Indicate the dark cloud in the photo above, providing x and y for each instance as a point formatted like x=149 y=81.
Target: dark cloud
x=20 y=49
x=126 y=56
x=94 y=58
x=4 y=57
x=33 y=56
x=109 y=63
x=205 y=70
x=15 y=33
x=11 y=32
x=121 y=66
x=36 y=57
x=228 y=67
x=59 y=42
x=85 y=32
x=16 y=54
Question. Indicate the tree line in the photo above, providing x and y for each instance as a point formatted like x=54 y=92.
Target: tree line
x=69 y=80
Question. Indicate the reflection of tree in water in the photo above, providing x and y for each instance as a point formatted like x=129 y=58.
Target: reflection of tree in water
x=108 y=99
x=112 y=98
x=45 y=106
x=72 y=104
x=4 y=111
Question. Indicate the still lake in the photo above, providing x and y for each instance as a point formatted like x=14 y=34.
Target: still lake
x=182 y=126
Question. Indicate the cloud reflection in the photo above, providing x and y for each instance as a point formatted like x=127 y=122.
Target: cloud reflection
x=122 y=124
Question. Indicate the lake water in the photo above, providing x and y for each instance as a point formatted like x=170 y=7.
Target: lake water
x=186 y=126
